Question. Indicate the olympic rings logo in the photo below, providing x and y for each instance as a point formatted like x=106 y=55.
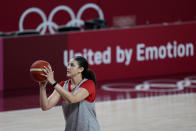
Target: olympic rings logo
x=48 y=23
x=156 y=85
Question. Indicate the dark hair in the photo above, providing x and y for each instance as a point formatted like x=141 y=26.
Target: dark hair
x=87 y=73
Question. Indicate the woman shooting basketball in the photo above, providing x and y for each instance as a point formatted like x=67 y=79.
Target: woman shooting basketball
x=78 y=94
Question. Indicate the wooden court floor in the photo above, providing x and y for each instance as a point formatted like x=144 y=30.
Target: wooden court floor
x=160 y=113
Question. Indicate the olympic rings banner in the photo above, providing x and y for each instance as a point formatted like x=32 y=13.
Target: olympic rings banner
x=47 y=15
x=112 y=54
x=75 y=20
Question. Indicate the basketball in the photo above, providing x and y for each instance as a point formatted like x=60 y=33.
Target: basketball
x=36 y=70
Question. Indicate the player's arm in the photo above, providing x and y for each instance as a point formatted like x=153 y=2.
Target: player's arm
x=77 y=96
x=47 y=103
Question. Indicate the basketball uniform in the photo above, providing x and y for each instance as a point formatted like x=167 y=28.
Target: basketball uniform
x=80 y=116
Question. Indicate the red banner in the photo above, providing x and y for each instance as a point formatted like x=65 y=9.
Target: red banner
x=112 y=54
x=136 y=52
x=1 y=64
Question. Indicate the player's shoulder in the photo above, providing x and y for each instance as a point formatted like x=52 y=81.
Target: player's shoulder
x=88 y=82
x=62 y=82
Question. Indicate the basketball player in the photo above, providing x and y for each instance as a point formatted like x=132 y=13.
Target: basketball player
x=78 y=94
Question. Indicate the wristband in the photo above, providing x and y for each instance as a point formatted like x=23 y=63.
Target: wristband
x=53 y=85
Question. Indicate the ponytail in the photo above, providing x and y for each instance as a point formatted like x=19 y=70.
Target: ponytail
x=89 y=74
x=86 y=73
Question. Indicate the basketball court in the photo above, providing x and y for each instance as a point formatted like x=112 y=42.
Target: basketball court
x=161 y=103
x=143 y=56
